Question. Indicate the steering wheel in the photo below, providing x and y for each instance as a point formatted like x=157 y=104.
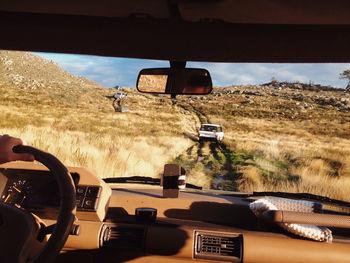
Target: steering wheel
x=17 y=225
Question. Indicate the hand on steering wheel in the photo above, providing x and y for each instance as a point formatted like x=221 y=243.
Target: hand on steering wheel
x=6 y=153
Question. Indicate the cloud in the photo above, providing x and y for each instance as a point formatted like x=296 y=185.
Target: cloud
x=110 y=72
x=225 y=74
x=107 y=71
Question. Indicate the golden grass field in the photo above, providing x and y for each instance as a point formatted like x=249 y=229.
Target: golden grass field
x=94 y=136
x=282 y=154
x=271 y=142
x=305 y=150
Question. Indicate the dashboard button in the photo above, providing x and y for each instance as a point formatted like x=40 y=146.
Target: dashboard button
x=93 y=191
x=81 y=190
x=90 y=203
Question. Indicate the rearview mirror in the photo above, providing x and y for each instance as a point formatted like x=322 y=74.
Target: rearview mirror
x=190 y=81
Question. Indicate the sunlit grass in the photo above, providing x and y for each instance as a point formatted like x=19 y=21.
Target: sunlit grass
x=299 y=151
x=136 y=143
x=285 y=148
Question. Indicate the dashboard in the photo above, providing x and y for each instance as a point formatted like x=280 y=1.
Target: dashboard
x=194 y=226
x=31 y=189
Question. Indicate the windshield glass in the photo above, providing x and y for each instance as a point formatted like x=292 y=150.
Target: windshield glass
x=286 y=125
x=211 y=128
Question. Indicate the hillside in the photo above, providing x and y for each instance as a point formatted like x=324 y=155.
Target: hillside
x=28 y=71
x=278 y=136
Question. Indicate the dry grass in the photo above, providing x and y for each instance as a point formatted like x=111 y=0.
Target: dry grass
x=152 y=83
x=334 y=187
x=108 y=156
x=303 y=150
x=90 y=134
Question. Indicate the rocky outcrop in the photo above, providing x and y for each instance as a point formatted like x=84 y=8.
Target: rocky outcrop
x=301 y=86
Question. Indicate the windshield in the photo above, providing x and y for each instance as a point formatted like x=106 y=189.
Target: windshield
x=211 y=128
x=286 y=125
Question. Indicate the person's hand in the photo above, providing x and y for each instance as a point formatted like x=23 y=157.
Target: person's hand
x=7 y=155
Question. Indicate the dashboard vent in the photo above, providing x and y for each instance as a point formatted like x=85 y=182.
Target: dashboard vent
x=215 y=246
x=126 y=238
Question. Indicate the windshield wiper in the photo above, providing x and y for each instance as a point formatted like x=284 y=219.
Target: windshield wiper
x=141 y=180
x=303 y=196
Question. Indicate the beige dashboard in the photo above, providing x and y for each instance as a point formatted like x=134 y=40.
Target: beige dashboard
x=112 y=233
x=93 y=194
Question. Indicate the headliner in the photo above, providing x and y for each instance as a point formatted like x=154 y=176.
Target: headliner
x=192 y=30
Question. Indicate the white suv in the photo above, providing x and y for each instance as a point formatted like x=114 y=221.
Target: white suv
x=211 y=132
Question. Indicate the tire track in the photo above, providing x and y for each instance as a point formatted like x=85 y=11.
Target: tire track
x=201 y=115
x=201 y=152
x=200 y=118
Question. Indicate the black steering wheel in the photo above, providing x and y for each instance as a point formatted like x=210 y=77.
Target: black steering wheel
x=19 y=223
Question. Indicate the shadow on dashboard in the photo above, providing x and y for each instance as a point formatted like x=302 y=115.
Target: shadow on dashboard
x=161 y=240
x=217 y=213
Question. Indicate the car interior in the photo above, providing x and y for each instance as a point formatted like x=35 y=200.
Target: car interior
x=53 y=213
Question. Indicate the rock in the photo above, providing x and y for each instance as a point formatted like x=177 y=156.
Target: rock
x=298 y=98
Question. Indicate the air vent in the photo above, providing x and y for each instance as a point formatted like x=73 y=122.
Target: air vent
x=126 y=238
x=214 y=246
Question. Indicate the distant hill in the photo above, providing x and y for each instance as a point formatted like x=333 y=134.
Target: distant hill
x=28 y=71
x=31 y=78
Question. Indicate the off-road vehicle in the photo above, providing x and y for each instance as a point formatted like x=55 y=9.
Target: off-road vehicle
x=211 y=132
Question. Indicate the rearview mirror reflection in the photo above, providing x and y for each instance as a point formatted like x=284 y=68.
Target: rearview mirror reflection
x=188 y=81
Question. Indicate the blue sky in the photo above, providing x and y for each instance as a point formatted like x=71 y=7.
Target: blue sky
x=109 y=72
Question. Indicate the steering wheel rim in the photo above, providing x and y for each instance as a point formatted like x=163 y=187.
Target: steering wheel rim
x=67 y=209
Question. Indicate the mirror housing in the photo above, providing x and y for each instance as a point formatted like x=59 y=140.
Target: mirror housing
x=175 y=81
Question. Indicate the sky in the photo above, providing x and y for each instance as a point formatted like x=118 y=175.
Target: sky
x=110 y=72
